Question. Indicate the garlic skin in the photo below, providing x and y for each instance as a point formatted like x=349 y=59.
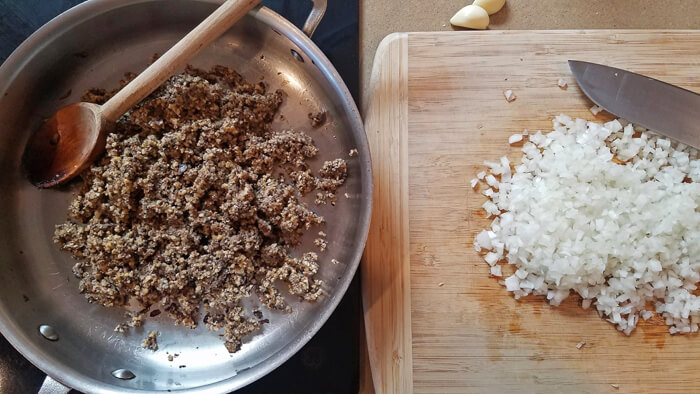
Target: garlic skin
x=491 y=6
x=472 y=17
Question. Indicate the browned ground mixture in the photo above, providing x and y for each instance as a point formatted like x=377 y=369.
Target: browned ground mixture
x=196 y=203
x=333 y=174
x=318 y=119
x=151 y=341
x=321 y=244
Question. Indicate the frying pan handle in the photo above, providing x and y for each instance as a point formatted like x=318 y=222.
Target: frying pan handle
x=51 y=386
x=315 y=16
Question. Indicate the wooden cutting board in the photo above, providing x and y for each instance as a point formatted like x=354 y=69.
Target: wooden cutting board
x=435 y=320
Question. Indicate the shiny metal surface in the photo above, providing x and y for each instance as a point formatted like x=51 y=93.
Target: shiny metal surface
x=656 y=105
x=314 y=18
x=51 y=386
x=48 y=332
x=123 y=374
x=52 y=68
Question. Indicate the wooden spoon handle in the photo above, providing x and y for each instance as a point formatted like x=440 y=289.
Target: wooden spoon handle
x=177 y=56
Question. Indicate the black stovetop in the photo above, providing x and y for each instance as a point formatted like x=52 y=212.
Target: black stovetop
x=329 y=363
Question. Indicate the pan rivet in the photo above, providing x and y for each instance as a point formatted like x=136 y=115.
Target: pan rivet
x=48 y=332
x=123 y=374
x=297 y=55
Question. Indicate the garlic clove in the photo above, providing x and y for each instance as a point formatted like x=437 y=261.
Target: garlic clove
x=471 y=16
x=491 y=6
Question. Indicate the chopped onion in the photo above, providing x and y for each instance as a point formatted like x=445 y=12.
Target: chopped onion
x=492 y=181
x=515 y=138
x=572 y=219
x=512 y=283
x=491 y=258
x=496 y=271
x=484 y=240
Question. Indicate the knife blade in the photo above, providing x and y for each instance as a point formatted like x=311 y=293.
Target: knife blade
x=656 y=105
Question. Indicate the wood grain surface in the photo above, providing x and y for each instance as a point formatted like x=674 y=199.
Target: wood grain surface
x=387 y=301
x=380 y=18
x=435 y=320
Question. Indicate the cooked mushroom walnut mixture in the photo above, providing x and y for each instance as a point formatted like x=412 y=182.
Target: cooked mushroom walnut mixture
x=196 y=203
x=151 y=341
x=321 y=244
x=318 y=119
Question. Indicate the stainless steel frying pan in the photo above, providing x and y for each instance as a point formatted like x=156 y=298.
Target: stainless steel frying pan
x=41 y=312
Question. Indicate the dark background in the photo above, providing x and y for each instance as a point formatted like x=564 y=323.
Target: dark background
x=329 y=363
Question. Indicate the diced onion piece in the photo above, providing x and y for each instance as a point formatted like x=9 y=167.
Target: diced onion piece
x=492 y=181
x=491 y=258
x=515 y=138
x=512 y=283
x=484 y=240
x=496 y=270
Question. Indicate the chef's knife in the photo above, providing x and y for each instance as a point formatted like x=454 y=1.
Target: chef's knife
x=653 y=104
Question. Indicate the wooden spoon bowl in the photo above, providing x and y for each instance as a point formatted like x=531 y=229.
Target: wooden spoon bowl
x=66 y=144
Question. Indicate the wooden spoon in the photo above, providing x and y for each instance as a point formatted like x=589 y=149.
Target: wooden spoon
x=75 y=136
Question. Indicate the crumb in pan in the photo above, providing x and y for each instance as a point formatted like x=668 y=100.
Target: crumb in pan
x=151 y=341
x=318 y=119
x=321 y=244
